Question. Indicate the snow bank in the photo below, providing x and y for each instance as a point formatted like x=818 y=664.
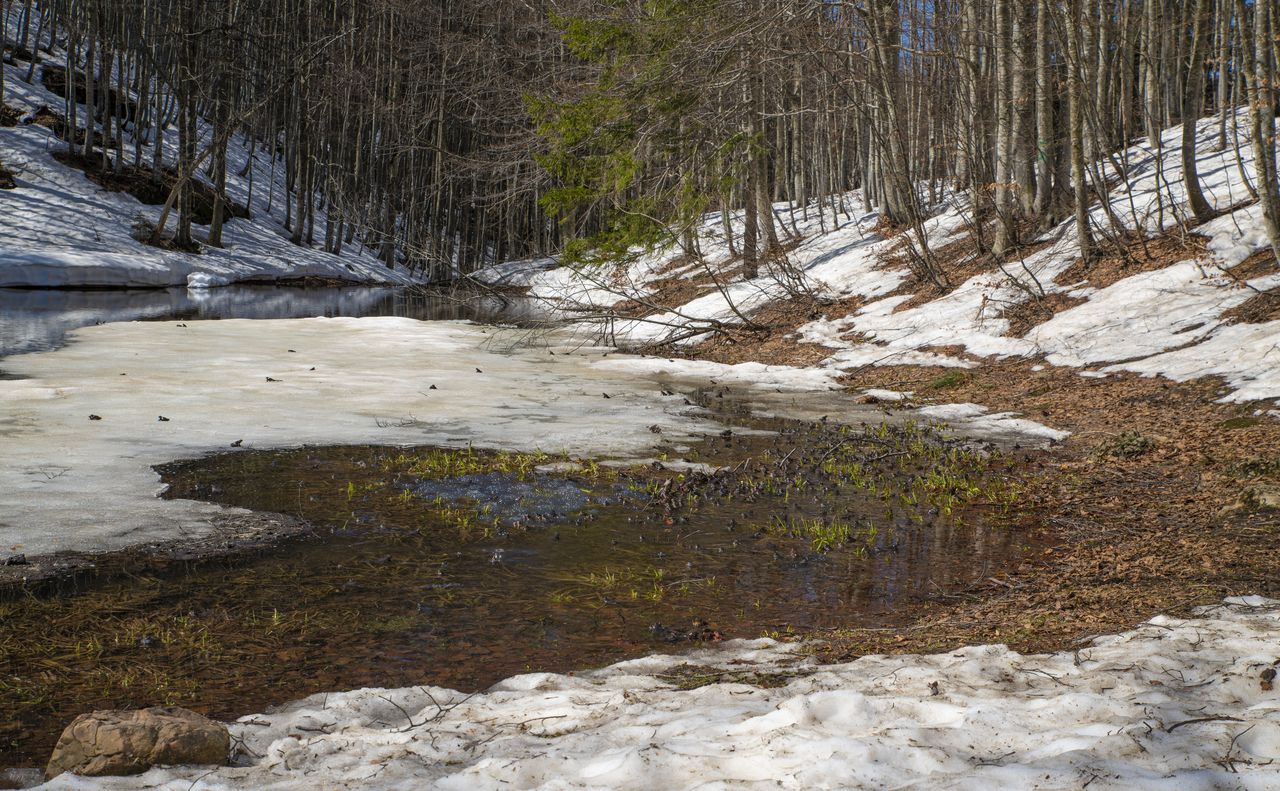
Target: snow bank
x=1174 y=705
x=71 y=482
x=514 y=274
x=1247 y=356
x=197 y=281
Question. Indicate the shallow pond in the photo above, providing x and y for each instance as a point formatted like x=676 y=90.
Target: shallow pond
x=458 y=568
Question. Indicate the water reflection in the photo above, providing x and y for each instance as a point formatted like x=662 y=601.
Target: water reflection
x=38 y=320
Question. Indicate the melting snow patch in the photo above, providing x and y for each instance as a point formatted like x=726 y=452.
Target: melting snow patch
x=1002 y=427
x=1247 y=356
x=1173 y=705
x=755 y=375
x=887 y=395
x=1167 y=320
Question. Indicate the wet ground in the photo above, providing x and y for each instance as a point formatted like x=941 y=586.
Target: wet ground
x=458 y=568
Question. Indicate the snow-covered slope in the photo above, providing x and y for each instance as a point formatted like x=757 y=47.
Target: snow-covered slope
x=59 y=229
x=1168 y=321
x=1173 y=705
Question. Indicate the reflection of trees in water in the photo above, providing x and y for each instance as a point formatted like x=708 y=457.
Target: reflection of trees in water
x=38 y=320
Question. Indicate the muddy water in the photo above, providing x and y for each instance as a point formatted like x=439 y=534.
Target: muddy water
x=456 y=570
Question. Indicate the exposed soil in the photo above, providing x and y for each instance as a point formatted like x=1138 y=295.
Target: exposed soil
x=668 y=291
x=48 y=118
x=138 y=182
x=112 y=103
x=1262 y=307
x=428 y=565
x=1139 y=534
x=958 y=262
x=955 y=258
x=1030 y=313
x=1143 y=499
x=145 y=231
x=7 y=179
x=1134 y=255
x=8 y=115
x=1259 y=264
x=16 y=52
x=773 y=337
x=56 y=122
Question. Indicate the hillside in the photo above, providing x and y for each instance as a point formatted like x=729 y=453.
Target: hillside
x=1157 y=366
x=60 y=228
x=1169 y=298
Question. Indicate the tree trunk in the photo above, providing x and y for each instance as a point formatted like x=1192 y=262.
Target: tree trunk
x=1045 y=137
x=219 y=190
x=1075 y=115
x=89 y=105
x=1191 y=104
x=1262 y=118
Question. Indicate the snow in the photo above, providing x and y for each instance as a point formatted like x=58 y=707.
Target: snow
x=1107 y=329
x=514 y=274
x=1247 y=356
x=1001 y=427
x=750 y=375
x=1174 y=704
x=204 y=280
x=60 y=230
x=69 y=482
x=888 y=395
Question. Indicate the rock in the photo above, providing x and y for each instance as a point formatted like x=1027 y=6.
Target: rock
x=1254 y=499
x=16 y=560
x=131 y=742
